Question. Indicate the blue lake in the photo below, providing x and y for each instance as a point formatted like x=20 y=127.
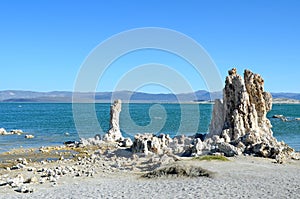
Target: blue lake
x=53 y=123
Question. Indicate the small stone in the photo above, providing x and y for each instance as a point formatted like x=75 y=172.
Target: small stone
x=127 y=142
x=17 y=181
x=64 y=172
x=2 y=183
x=16 y=132
x=93 y=156
x=97 y=137
x=22 y=161
x=24 y=189
x=41 y=170
x=31 y=180
x=18 y=166
x=3 y=131
x=277 y=116
x=54 y=184
x=31 y=169
x=52 y=179
x=42 y=180
x=29 y=136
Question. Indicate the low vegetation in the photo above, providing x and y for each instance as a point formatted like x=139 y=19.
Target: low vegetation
x=211 y=157
x=178 y=171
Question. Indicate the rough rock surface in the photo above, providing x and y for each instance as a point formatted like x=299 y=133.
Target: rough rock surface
x=241 y=118
x=127 y=142
x=2 y=131
x=282 y=117
x=180 y=144
x=149 y=143
x=12 y=132
x=217 y=124
x=29 y=136
x=114 y=133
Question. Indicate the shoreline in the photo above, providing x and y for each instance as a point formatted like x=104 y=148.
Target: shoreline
x=115 y=173
x=275 y=101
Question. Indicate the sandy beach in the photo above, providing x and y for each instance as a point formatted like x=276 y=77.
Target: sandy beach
x=120 y=177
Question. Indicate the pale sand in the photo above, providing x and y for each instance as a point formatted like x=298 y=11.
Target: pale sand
x=242 y=177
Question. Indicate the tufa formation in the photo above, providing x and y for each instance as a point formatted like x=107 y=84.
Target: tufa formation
x=239 y=125
x=114 y=133
x=241 y=119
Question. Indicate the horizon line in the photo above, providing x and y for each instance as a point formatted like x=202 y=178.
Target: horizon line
x=19 y=90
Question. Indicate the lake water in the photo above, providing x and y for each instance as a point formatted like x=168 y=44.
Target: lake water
x=53 y=123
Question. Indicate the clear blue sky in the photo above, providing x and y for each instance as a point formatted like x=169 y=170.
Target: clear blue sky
x=44 y=43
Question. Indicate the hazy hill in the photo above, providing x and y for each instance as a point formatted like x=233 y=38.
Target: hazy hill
x=295 y=96
x=65 y=96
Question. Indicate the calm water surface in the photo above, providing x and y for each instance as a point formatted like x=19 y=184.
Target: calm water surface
x=53 y=123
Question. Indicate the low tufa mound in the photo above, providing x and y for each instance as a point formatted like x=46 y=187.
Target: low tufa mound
x=149 y=143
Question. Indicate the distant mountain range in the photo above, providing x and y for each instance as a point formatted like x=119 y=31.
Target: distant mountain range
x=65 y=96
